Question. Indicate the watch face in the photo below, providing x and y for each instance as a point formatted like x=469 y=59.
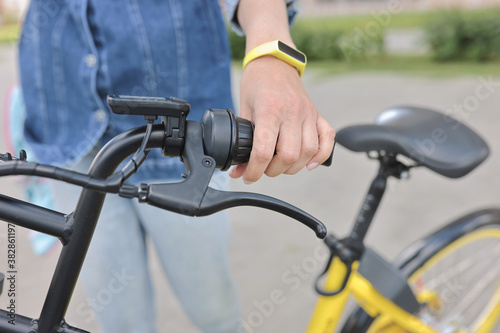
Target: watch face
x=291 y=52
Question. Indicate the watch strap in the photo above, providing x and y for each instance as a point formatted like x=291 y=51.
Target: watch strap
x=281 y=51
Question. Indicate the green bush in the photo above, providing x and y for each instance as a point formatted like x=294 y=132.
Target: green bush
x=323 y=42
x=454 y=36
x=237 y=45
x=317 y=43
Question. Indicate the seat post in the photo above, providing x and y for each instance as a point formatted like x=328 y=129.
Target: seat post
x=389 y=166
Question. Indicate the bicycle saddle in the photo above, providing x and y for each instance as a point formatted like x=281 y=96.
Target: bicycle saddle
x=432 y=139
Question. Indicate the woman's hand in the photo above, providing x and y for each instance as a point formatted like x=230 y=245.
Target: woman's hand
x=290 y=134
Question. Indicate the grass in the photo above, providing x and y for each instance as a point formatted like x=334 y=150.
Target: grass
x=406 y=65
x=9 y=33
x=404 y=20
x=411 y=65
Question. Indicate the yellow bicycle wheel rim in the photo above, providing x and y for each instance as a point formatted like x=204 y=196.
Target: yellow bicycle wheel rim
x=487 y=322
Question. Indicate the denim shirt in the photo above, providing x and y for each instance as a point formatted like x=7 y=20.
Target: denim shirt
x=73 y=53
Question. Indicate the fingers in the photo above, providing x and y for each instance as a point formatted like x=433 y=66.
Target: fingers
x=238 y=170
x=299 y=150
x=287 y=148
x=297 y=144
x=316 y=144
x=326 y=138
x=263 y=148
x=309 y=146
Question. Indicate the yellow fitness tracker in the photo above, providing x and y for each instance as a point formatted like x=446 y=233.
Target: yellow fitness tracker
x=281 y=51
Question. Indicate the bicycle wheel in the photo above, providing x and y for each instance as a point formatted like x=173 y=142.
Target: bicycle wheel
x=456 y=271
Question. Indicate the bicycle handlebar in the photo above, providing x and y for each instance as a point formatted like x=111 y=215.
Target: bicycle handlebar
x=219 y=140
x=227 y=138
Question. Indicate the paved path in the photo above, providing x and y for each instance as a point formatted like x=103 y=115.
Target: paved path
x=273 y=254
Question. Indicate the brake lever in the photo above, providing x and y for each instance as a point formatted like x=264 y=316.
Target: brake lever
x=216 y=200
x=194 y=197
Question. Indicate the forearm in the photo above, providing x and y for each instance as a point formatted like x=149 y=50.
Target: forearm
x=264 y=21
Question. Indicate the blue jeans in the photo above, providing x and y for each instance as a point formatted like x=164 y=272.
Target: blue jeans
x=192 y=251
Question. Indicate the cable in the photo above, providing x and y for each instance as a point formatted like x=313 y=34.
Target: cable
x=111 y=184
x=140 y=156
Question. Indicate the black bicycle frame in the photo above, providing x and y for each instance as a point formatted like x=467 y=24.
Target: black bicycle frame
x=75 y=232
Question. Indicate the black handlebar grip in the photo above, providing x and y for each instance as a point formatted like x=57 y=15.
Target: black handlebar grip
x=243 y=140
x=228 y=139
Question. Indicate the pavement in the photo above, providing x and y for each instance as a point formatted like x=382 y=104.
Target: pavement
x=273 y=255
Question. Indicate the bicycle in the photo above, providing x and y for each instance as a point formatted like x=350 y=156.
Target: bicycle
x=409 y=295
x=219 y=140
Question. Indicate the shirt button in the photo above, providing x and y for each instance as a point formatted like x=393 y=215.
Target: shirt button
x=90 y=60
x=99 y=115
